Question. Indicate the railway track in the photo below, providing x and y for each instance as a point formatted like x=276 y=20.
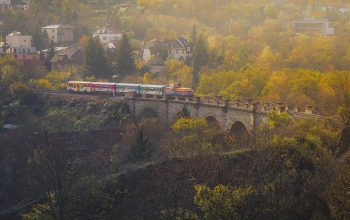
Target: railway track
x=48 y=91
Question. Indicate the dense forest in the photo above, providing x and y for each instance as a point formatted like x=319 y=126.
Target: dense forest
x=75 y=156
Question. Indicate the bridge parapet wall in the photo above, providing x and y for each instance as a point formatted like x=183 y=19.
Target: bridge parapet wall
x=250 y=113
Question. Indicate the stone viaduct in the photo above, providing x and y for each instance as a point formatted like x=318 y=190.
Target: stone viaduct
x=235 y=117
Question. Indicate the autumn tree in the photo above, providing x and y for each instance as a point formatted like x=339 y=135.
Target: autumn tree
x=63 y=176
x=10 y=71
x=53 y=169
x=179 y=72
x=337 y=194
x=140 y=149
x=191 y=136
x=269 y=59
x=341 y=87
x=222 y=202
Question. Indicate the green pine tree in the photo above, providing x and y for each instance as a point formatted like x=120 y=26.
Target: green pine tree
x=194 y=34
x=126 y=63
x=50 y=55
x=200 y=58
x=96 y=60
x=40 y=39
x=112 y=58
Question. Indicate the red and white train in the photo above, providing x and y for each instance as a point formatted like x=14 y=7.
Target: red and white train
x=121 y=88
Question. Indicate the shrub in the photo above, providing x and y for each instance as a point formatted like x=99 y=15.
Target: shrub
x=41 y=84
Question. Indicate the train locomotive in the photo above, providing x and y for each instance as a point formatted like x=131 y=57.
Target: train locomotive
x=122 y=88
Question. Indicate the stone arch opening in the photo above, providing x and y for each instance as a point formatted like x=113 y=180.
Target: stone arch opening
x=212 y=122
x=239 y=130
x=148 y=113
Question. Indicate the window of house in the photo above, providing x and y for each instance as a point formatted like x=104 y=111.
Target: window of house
x=24 y=51
x=14 y=50
x=53 y=30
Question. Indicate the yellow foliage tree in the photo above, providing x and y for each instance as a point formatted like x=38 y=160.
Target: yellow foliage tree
x=212 y=84
x=147 y=78
x=186 y=125
x=179 y=72
x=269 y=59
x=276 y=87
x=57 y=79
x=41 y=84
x=221 y=202
x=10 y=71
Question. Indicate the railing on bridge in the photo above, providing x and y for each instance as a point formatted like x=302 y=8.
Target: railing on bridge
x=246 y=104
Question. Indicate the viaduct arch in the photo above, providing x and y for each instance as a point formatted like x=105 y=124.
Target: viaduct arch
x=239 y=129
x=212 y=122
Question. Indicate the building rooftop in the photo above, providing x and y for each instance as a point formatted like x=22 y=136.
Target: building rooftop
x=111 y=46
x=184 y=42
x=58 y=26
x=179 y=42
x=174 y=43
x=14 y=33
x=105 y=31
x=64 y=54
x=5 y=2
x=56 y=49
x=343 y=10
x=312 y=20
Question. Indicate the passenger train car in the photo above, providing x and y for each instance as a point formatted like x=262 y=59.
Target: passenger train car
x=122 y=88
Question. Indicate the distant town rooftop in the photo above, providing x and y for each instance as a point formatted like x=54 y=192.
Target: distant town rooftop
x=105 y=30
x=58 y=26
x=14 y=33
x=312 y=20
x=56 y=49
